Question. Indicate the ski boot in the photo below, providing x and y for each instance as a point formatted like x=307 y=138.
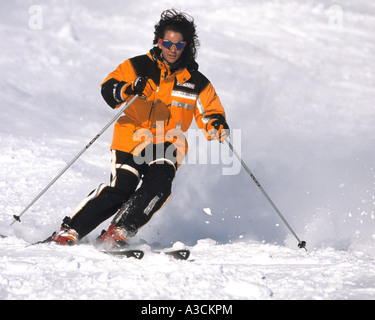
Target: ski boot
x=114 y=237
x=66 y=237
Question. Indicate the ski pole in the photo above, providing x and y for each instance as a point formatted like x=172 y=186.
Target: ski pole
x=118 y=115
x=301 y=244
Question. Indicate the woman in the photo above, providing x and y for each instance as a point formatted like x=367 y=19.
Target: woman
x=148 y=142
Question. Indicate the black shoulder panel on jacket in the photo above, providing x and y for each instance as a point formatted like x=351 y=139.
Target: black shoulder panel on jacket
x=200 y=80
x=145 y=67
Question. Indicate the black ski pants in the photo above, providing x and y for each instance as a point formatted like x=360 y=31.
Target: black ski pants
x=137 y=190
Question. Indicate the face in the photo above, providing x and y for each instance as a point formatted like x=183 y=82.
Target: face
x=171 y=55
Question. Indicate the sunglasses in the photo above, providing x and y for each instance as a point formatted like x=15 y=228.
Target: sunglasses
x=169 y=44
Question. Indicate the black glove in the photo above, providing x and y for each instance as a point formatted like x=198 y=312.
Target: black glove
x=217 y=128
x=143 y=86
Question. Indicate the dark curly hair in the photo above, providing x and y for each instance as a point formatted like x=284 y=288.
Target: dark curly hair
x=172 y=20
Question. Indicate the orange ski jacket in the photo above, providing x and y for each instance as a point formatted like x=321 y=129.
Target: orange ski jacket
x=182 y=93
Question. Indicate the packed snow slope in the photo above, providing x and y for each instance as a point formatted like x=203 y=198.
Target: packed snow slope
x=297 y=80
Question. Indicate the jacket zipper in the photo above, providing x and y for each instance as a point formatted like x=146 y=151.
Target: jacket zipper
x=151 y=109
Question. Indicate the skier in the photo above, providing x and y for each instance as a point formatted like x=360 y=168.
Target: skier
x=148 y=142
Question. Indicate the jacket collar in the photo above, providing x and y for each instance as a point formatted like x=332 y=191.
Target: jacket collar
x=180 y=71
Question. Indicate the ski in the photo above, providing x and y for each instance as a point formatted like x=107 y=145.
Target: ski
x=182 y=254
x=137 y=254
x=179 y=254
x=45 y=241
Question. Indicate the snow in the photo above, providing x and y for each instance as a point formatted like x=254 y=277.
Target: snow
x=297 y=80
